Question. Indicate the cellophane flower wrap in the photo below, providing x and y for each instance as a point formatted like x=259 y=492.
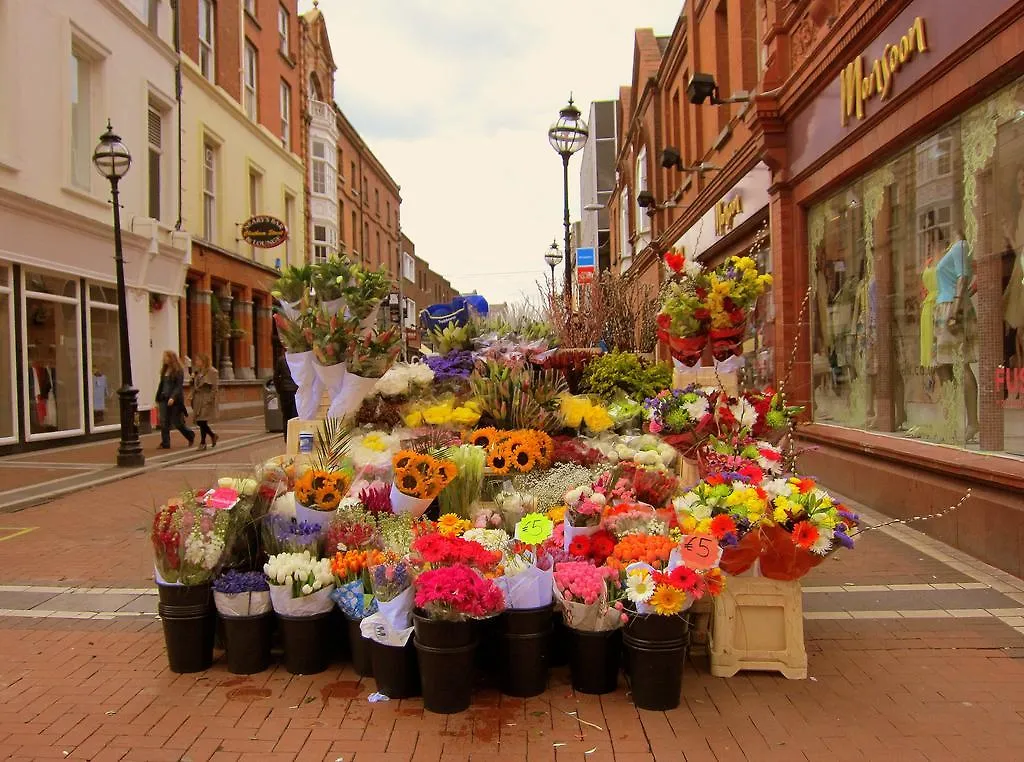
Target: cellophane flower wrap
x=353 y=592
x=285 y=534
x=528 y=578
x=242 y=594
x=668 y=592
x=189 y=540
x=587 y=596
x=391 y=624
x=300 y=583
x=456 y=593
x=352 y=527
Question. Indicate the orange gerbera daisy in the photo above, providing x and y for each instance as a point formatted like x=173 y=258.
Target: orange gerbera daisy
x=805 y=534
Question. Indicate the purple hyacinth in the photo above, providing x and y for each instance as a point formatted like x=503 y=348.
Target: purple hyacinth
x=843 y=539
x=455 y=364
x=233 y=582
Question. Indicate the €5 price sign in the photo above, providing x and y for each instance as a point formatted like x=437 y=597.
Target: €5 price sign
x=534 y=528
x=700 y=551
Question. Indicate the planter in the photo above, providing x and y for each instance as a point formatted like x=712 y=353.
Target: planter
x=783 y=559
x=186 y=595
x=758 y=624
x=656 y=648
x=488 y=650
x=558 y=643
x=396 y=669
x=248 y=641
x=594 y=660
x=525 y=636
x=188 y=634
x=441 y=633
x=446 y=676
x=307 y=642
x=362 y=661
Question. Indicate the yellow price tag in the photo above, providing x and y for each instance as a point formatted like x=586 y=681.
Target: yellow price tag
x=534 y=528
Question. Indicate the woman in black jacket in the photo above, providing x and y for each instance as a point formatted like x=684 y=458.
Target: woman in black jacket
x=170 y=395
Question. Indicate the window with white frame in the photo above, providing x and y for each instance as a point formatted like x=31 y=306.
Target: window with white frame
x=319 y=168
x=249 y=80
x=410 y=313
x=408 y=267
x=283 y=21
x=319 y=243
x=286 y=115
x=209 y=192
x=255 y=192
x=82 y=133
x=155 y=124
x=8 y=399
x=104 y=356
x=643 y=220
x=206 y=40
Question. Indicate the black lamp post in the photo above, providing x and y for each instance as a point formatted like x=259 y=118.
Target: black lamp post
x=567 y=136
x=112 y=160
x=553 y=256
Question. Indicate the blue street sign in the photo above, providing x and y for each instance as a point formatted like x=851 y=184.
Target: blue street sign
x=585 y=257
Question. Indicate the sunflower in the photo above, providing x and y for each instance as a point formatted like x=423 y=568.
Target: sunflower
x=482 y=437
x=424 y=465
x=409 y=482
x=446 y=471
x=499 y=462
x=524 y=459
x=667 y=600
x=328 y=498
x=341 y=482
x=515 y=440
x=402 y=459
x=545 y=446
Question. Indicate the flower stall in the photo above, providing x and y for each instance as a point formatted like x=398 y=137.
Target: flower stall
x=505 y=506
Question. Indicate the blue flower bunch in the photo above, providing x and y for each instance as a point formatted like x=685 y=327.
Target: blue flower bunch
x=389 y=580
x=233 y=582
x=456 y=364
x=293 y=536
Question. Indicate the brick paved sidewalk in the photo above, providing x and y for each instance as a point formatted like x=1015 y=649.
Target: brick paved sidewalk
x=916 y=653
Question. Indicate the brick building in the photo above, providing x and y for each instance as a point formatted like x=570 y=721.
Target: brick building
x=421 y=287
x=242 y=157
x=882 y=144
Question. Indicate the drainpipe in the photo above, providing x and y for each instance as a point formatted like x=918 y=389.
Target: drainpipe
x=176 y=8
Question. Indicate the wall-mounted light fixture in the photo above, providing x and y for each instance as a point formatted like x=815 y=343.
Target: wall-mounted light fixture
x=703 y=87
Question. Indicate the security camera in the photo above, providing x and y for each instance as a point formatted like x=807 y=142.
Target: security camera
x=670 y=157
x=700 y=88
x=645 y=199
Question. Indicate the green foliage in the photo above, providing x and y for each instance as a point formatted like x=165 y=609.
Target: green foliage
x=625 y=373
x=331 y=445
x=294 y=283
x=519 y=398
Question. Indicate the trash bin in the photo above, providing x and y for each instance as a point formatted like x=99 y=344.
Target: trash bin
x=272 y=409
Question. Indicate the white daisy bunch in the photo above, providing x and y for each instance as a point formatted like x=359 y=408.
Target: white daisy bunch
x=303 y=573
x=402 y=378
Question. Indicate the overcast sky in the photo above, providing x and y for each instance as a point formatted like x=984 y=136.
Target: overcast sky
x=455 y=98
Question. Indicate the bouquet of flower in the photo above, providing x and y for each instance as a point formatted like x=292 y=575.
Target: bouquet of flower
x=548 y=487
x=585 y=505
x=680 y=416
x=596 y=547
x=627 y=519
x=445 y=412
x=419 y=478
x=518 y=398
x=774 y=416
x=575 y=450
x=683 y=319
x=739 y=456
x=431 y=551
x=389 y=579
x=353 y=592
x=456 y=365
x=293 y=285
x=579 y=411
x=403 y=379
x=300 y=584
x=729 y=511
x=320 y=490
x=456 y=593
x=284 y=534
x=397 y=531
x=351 y=528
x=241 y=593
x=588 y=595
x=296 y=332
x=372 y=452
x=189 y=540
x=464 y=490
x=670 y=592
x=372 y=354
x=733 y=289
x=654 y=550
x=652 y=485
x=517 y=451
x=452 y=525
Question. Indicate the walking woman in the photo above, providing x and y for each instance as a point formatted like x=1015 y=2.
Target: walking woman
x=205 y=385
x=170 y=396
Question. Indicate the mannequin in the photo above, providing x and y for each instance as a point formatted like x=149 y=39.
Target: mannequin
x=823 y=326
x=99 y=394
x=1013 y=296
x=956 y=325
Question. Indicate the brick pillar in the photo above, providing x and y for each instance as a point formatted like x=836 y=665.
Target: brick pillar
x=243 y=353
x=988 y=304
x=227 y=368
x=263 y=333
x=790 y=267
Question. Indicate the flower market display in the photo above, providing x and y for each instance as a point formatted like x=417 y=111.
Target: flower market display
x=476 y=515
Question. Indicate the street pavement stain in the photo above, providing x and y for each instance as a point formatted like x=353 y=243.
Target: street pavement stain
x=248 y=694
x=234 y=682
x=345 y=689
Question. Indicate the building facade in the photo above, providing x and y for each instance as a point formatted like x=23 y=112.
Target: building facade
x=874 y=170
x=97 y=60
x=597 y=181
x=241 y=138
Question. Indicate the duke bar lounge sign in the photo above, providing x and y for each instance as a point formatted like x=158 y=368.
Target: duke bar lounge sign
x=856 y=87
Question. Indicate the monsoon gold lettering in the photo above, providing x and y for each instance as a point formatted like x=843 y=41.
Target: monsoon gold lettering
x=858 y=84
x=725 y=214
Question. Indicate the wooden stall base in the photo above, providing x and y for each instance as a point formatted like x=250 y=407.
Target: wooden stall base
x=706 y=376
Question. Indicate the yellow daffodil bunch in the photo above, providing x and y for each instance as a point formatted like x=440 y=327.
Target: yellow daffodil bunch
x=444 y=413
x=579 y=411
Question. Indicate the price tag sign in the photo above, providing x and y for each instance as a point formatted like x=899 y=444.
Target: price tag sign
x=534 y=528
x=700 y=551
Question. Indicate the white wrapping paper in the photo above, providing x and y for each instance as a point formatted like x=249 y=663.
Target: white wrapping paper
x=310 y=388
x=242 y=604
x=376 y=628
x=730 y=364
x=350 y=395
x=290 y=309
x=596 y=617
x=333 y=378
x=392 y=624
x=307 y=605
x=571 y=532
x=402 y=503
x=530 y=589
x=333 y=306
x=312 y=515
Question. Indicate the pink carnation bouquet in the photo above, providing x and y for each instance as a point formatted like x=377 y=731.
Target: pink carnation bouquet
x=589 y=596
x=456 y=593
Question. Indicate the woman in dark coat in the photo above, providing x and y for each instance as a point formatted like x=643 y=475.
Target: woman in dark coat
x=170 y=395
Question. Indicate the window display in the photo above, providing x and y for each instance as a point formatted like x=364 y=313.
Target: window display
x=104 y=355
x=7 y=401
x=917 y=273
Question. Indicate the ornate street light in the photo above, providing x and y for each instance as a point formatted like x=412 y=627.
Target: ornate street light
x=567 y=136
x=112 y=160
x=553 y=257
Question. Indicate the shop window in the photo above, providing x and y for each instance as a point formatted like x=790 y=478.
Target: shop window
x=918 y=275
x=83 y=71
x=758 y=349
x=104 y=356
x=51 y=326
x=8 y=404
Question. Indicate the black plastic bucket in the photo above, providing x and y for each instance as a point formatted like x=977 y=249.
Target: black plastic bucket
x=307 y=642
x=362 y=661
x=594 y=660
x=558 y=643
x=340 y=650
x=488 y=650
x=396 y=669
x=442 y=633
x=655 y=654
x=189 y=640
x=248 y=642
x=525 y=636
x=186 y=595
x=446 y=677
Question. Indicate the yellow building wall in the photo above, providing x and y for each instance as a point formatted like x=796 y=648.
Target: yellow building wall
x=210 y=114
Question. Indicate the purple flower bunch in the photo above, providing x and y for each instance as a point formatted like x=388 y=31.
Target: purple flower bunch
x=233 y=582
x=456 y=364
x=291 y=536
x=389 y=580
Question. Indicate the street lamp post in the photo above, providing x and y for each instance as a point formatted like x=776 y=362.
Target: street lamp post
x=567 y=136
x=112 y=160
x=553 y=256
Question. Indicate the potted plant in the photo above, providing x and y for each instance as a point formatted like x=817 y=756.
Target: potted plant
x=300 y=590
x=243 y=602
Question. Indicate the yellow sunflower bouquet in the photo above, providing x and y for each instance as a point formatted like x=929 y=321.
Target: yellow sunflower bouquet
x=322 y=490
x=419 y=478
x=518 y=451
